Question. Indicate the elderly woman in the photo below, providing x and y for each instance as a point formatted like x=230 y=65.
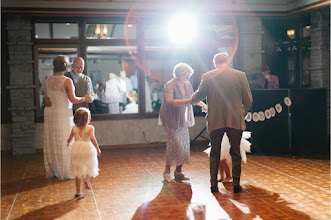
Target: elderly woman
x=176 y=115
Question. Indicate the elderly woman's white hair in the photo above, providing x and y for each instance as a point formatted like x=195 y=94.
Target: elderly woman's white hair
x=112 y=76
x=182 y=69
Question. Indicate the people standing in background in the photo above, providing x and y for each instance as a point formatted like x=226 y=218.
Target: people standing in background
x=126 y=86
x=229 y=99
x=100 y=91
x=113 y=94
x=132 y=107
x=134 y=81
x=148 y=96
x=268 y=81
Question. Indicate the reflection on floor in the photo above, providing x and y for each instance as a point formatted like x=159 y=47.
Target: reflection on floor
x=130 y=187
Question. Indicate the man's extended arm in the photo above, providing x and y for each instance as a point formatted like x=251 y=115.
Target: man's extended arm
x=201 y=93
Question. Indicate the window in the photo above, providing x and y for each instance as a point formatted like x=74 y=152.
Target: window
x=110 y=31
x=64 y=30
x=139 y=50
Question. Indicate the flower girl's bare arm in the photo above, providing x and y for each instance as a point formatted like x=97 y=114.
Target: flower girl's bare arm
x=94 y=140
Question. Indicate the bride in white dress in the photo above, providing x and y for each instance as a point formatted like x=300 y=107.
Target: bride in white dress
x=58 y=119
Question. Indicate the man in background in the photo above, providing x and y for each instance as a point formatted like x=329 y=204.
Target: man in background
x=268 y=81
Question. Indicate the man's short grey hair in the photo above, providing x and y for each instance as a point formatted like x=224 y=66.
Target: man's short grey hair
x=220 y=58
x=182 y=69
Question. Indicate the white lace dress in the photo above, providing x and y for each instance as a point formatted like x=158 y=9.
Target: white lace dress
x=84 y=161
x=58 y=121
x=178 y=146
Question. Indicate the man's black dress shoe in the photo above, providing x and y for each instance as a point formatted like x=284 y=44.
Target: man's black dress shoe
x=237 y=188
x=214 y=189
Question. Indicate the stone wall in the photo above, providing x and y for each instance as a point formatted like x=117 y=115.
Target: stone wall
x=320 y=53
x=6 y=130
x=21 y=86
x=250 y=47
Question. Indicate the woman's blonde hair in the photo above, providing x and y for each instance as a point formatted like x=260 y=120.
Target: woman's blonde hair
x=181 y=69
x=60 y=63
x=82 y=116
x=112 y=76
x=134 y=95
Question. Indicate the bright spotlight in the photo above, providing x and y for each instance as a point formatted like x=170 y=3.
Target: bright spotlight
x=182 y=29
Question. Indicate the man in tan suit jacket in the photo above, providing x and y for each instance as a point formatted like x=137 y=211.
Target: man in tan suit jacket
x=229 y=99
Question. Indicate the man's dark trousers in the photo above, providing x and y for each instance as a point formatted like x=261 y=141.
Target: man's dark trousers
x=216 y=137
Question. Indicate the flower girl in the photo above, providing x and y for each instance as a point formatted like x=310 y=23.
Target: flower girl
x=85 y=149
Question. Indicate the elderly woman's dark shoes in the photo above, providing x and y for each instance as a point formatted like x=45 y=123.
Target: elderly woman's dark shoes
x=180 y=176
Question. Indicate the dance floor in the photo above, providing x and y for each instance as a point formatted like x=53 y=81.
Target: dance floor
x=130 y=186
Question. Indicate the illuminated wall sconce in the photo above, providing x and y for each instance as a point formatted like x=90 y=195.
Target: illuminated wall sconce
x=101 y=31
x=97 y=30
x=291 y=33
x=105 y=30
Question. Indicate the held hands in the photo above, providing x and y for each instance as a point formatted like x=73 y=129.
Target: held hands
x=88 y=97
x=204 y=108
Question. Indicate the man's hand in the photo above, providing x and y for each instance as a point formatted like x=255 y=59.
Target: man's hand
x=204 y=109
x=47 y=101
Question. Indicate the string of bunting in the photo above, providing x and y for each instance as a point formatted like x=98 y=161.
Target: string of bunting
x=268 y=113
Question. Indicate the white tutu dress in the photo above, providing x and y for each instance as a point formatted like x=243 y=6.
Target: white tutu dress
x=245 y=146
x=84 y=161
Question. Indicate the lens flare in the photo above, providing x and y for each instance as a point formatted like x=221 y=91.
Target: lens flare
x=182 y=29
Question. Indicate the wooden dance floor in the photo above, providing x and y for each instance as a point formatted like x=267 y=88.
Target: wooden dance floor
x=130 y=187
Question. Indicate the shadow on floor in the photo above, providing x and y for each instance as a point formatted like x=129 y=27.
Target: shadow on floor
x=254 y=202
x=52 y=211
x=28 y=184
x=168 y=204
